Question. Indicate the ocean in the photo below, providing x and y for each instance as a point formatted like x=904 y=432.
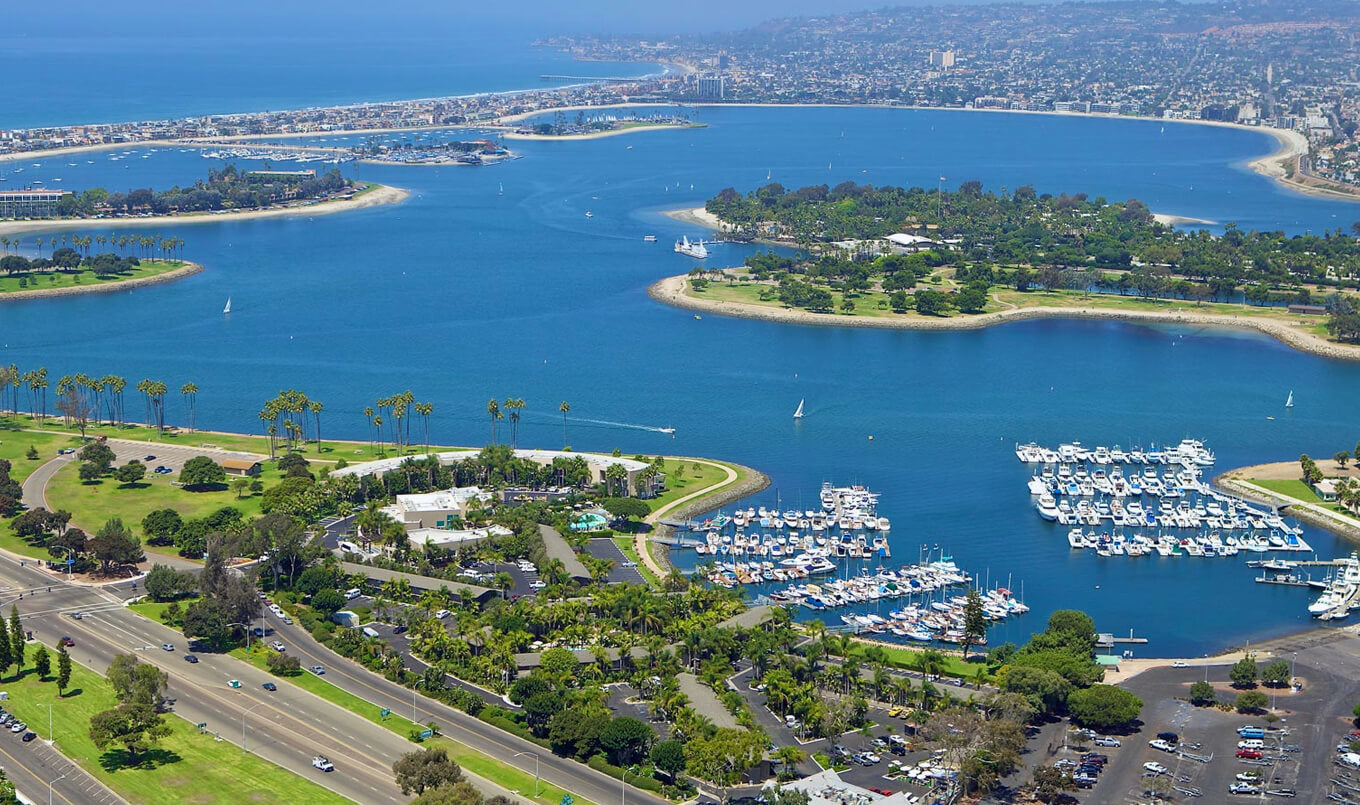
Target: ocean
x=463 y=294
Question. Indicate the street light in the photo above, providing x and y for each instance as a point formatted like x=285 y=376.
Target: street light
x=50 y=783
x=623 y=789
x=535 y=756
x=245 y=626
x=51 y=736
x=68 y=560
x=243 y=724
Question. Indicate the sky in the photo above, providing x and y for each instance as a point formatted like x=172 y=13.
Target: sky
x=307 y=19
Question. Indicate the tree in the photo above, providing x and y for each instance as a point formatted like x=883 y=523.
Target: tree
x=135 y=682
x=564 y=408
x=626 y=508
x=1276 y=673
x=1201 y=693
x=284 y=664
x=63 y=670
x=161 y=525
x=136 y=727
x=625 y=739
x=328 y=602
x=1243 y=673
x=115 y=546
x=669 y=757
x=16 y=638
x=130 y=473
x=724 y=757
x=974 y=620
x=202 y=620
x=42 y=661
x=1104 y=707
x=1341 y=458
x=424 y=769
x=98 y=454
x=201 y=473
x=89 y=473
x=6 y=658
x=1251 y=701
x=164 y=583
x=1049 y=782
x=460 y=793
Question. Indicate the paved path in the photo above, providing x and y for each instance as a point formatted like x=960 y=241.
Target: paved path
x=640 y=538
x=35 y=485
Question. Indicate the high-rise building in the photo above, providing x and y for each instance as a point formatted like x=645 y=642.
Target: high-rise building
x=942 y=58
x=711 y=88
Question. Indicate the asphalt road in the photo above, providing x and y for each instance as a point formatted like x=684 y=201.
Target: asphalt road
x=576 y=778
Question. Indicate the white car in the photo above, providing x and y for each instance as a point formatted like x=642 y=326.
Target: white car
x=537 y=585
x=278 y=645
x=1180 y=664
x=322 y=762
x=1154 y=767
x=1158 y=743
x=442 y=614
x=1105 y=740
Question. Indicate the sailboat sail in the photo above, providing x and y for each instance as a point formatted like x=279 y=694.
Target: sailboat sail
x=1289 y=403
x=799 y=413
x=227 y=309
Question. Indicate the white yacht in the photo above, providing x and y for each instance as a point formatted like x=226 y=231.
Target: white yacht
x=696 y=249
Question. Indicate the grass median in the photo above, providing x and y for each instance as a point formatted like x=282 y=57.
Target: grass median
x=186 y=766
x=482 y=765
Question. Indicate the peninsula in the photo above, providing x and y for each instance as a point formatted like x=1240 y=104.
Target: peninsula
x=930 y=259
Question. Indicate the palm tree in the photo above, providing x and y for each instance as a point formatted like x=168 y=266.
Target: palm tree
x=493 y=409
x=564 y=408
x=425 y=409
x=190 y=394
x=315 y=407
x=368 y=415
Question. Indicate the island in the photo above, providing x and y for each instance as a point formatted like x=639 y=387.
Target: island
x=226 y=194
x=934 y=259
x=67 y=273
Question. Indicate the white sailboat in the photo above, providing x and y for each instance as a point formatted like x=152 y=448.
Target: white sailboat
x=1289 y=403
x=501 y=190
x=227 y=309
x=799 y=413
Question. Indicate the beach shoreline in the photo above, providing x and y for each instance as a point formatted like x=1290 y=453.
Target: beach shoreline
x=186 y=270
x=596 y=135
x=379 y=195
x=673 y=291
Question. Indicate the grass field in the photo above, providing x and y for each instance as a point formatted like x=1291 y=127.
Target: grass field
x=694 y=476
x=493 y=769
x=1292 y=488
x=626 y=545
x=92 y=504
x=42 y=280
x=953 y=665
x=185 y=767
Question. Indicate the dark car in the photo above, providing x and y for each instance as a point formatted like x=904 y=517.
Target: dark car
x=67 y=641
x=190 y=658
x=270 y=686
x=398 y=630
x=28 y=736
x=149 y=458
x=1169 y=737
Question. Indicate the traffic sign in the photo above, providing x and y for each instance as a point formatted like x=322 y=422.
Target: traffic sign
x=384 y=713
x=427 y=733
x=567 y=799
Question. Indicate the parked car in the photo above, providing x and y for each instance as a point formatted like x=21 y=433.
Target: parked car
x=1180 y=664
x=399 y=629
x=322 y=762
x=1155 y=767
x=1158 y=743
x=1243 y=788
x=28 y=736
x=1249 y=754
x=1107 y=741
x=537 y=585
x=18 y=727
x=442 y=614
x=1169 y=737
x=149 y=458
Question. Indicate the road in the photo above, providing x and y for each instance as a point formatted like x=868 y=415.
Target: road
x=576 y=778
x=287 y=727
x=35 y=485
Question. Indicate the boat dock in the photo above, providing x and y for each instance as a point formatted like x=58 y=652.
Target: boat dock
x=1290 y=580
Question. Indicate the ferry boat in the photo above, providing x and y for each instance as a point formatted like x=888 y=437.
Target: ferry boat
x=695 y=249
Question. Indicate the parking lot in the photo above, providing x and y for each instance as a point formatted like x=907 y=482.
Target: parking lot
x=161 y=454
x=624 y=571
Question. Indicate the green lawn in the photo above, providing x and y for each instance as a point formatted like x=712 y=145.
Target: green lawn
x=186 y=767
x=14 y=448
x=152 y=610
x=1291 y=488
x=491 y=768
x=692 y=478
x=92 y=504
x=42 y=280
x=953 y=664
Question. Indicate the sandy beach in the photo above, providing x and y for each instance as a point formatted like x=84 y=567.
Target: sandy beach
x=382 y=194
x=673 y=291
x=188 y=269
x=595 y=135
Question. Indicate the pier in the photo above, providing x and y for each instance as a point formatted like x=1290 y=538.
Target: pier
x=1290 y=580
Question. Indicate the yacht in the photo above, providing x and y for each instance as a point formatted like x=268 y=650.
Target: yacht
x=696 y=249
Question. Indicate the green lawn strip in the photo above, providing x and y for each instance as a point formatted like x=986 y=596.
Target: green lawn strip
x=953 y=665
x=688 y=481
x=14 y=447
x=190 y=767
x=1293 y=488
x=476 y=762
x=626 y=545
x=152 y=610
x=42 y=280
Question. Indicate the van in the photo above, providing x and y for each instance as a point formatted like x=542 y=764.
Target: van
x=353 y=593
x=1251 y=732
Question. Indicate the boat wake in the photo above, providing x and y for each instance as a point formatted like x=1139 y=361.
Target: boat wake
x=626 y=425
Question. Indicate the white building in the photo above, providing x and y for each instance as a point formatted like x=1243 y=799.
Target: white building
x=435 y=510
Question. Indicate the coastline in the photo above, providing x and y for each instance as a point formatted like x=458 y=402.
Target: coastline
x=379 y=195
x=672 y=291
x=1240 y=481
x=595 y=135
x=186 y=270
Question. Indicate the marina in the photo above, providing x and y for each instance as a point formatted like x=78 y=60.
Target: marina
x=1149 y=508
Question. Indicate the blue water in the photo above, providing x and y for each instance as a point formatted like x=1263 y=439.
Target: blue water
x=462 y=294
x=57 y=78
